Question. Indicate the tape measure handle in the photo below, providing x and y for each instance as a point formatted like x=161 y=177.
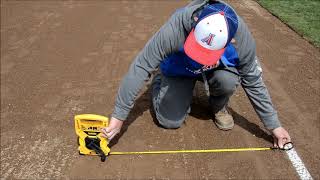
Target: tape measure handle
x=286 y=147
x=92 y=117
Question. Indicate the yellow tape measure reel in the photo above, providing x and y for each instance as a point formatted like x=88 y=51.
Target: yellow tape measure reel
x=90 y=142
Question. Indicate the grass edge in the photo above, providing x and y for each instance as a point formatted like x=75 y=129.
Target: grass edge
x=309 y=40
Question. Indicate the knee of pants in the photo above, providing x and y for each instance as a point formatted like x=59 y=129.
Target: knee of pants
x=170 y=124
x=223 y=85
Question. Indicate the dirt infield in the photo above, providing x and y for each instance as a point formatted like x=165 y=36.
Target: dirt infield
x=62 y=58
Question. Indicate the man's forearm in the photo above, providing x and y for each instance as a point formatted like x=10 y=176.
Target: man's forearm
x=259 y=96
x=129 y=89
x=261 y=103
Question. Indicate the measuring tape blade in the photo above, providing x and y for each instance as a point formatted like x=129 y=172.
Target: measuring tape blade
x=286 y=147
x=191 y=151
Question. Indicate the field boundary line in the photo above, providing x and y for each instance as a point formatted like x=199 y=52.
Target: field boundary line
x=298 y=164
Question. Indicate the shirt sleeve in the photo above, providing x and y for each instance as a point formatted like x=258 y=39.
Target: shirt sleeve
x=251 y=77
x=164 y=42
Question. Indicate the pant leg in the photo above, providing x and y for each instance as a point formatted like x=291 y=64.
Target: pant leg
x=222 y=85
x=171 y=98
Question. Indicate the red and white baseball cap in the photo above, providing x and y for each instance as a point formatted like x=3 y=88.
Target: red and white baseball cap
x=215 y=28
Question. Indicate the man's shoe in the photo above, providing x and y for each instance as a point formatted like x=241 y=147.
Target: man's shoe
x=224 y=120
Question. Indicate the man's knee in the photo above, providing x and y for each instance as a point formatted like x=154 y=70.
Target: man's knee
x=223 y=83
x=166 y=117
x=228 y=86
x=170 y=124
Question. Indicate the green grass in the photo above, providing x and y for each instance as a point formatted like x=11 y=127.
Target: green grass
x=301 y=15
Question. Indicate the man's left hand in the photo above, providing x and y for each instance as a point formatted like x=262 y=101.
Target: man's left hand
x=280 y=137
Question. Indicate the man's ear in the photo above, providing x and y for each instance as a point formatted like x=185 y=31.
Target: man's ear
x=233 y=41
x=195 y=18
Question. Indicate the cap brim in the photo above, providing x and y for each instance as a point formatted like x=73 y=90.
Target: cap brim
x=199 y=53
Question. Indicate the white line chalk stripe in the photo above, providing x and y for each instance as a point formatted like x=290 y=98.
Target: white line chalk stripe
x=298 y=164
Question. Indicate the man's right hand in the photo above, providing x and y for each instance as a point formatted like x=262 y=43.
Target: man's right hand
x=113 y=129
x=280 y=137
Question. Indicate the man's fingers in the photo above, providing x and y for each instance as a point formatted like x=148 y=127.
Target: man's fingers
x=110 y=134
x=113 y=135
x=280 y=144
x=105 y=132
x=288 y=139
x=275 y=142
x=282 y=141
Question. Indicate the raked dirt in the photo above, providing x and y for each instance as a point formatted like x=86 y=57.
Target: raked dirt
x=62 y=58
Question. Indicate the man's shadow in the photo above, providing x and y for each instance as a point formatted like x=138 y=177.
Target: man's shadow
x=142 y=104
x=199 y=110
x=202 y=111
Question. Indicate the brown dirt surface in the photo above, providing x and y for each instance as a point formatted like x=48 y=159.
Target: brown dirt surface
x=62 y=58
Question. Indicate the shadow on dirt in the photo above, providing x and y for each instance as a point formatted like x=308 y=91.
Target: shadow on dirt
x=142 y=104
x=199 y=110
x=250 y=127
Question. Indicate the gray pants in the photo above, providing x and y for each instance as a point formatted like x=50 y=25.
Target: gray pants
x=172 y=96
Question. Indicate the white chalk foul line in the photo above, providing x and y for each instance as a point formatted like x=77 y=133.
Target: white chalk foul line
x=298 y=164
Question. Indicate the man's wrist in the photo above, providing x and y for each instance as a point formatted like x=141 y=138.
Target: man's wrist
x=120 y=114
x=271 y=131
x=271 y=122
x=114 y=117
